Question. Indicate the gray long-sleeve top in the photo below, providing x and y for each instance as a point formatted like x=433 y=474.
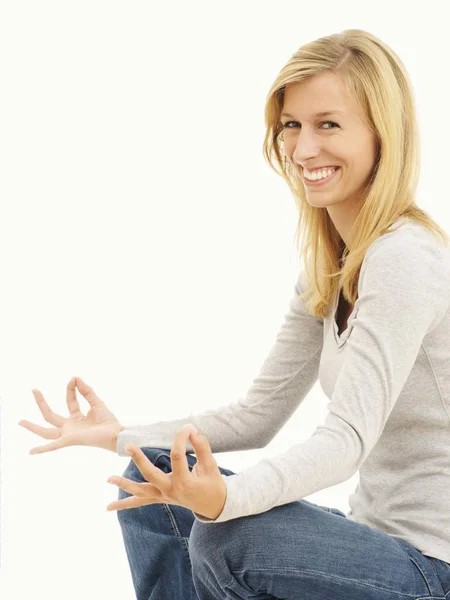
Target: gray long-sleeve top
x=387 y=377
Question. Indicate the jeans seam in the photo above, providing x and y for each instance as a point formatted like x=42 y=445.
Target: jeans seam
x=338 y=578
x=422 y=573
x=173 y=522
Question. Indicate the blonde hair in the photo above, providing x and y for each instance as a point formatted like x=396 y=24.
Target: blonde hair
x=377 y=78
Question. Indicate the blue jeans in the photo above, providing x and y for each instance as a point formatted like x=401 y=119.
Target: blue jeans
x=297 y=551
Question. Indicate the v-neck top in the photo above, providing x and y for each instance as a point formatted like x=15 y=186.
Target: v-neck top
x=335 y=310
x=387 y=379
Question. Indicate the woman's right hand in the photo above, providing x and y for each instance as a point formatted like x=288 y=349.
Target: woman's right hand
x=99 y=428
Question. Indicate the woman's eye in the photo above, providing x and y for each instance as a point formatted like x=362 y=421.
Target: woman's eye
x=285 y=126
x=331 y=122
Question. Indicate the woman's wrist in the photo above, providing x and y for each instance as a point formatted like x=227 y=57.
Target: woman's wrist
x=114 y=438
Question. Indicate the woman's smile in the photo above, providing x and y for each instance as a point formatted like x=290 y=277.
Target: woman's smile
x=323 y=181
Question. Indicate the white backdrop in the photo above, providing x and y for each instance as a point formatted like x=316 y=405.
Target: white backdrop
x=145 y=244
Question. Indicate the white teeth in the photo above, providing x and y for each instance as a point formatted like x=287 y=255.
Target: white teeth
x=320 y=174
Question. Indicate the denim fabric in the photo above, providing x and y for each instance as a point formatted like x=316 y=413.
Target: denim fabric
x=297 y=551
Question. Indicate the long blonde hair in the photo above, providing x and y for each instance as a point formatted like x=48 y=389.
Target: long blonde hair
x=374 y=74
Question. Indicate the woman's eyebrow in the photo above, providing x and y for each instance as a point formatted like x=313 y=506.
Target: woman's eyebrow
x=323 y=113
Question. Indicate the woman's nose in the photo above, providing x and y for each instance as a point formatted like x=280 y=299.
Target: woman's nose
x=306 y=149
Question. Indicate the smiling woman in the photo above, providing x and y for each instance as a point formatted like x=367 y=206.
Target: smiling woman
x=341 y=126
x=342 y=129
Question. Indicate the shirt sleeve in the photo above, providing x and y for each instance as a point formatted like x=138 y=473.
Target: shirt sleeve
x=287 y=375
x=403 y=293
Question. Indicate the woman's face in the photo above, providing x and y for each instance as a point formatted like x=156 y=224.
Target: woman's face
x=311 y=140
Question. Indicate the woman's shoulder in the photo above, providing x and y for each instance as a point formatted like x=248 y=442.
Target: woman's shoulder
x=409 y=253
x=406 y=236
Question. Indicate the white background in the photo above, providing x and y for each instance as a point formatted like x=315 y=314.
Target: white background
x=145 y=244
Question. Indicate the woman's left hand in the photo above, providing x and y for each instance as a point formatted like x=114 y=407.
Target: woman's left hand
x=201 y=490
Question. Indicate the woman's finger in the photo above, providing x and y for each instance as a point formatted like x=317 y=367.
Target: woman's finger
x=151 y=473
x=137 y=489
x=47 y=413
x=71 y=397
x=178 y=458
x=45 y=432
x=87 y=392
x=130 y=502
x=203 y=452
x=59 y=443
